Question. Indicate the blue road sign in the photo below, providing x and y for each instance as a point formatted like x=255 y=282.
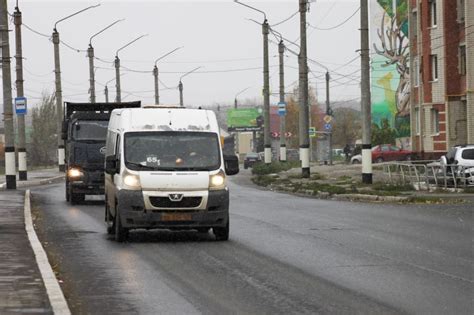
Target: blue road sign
x=20 y=105
x=327 y=126
x=282 y=109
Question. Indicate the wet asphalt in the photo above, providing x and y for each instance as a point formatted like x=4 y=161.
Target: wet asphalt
x=286 y=255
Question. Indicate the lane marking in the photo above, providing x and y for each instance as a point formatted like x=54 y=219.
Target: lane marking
x=53 y=290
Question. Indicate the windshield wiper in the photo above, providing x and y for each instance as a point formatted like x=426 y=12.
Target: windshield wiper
x=140 y=165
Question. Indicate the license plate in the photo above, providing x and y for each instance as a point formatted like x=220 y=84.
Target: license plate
x=176 y=217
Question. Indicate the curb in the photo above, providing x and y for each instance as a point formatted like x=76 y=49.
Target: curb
x=53 y=290
x=34 y=182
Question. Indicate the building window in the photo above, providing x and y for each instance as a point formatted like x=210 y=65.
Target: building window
x=417 y=121
x=462 y=59
x=433 y=13
x=435 y=121
x=461 y=10
x=434 y=67
x=416 y=72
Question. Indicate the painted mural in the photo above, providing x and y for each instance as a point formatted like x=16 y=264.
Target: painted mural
x=390 y=76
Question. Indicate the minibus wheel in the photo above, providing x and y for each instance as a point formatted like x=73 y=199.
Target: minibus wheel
x=221 y=233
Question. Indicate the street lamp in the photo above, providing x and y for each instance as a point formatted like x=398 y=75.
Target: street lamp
x=118 y=97
x=180 y=85
x=90 y=54
x=58 y=93
x=106 y=89
x=155 y=74
x=235 y=98
x=266 y=85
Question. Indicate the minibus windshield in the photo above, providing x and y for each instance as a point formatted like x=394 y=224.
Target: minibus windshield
x=172 y=151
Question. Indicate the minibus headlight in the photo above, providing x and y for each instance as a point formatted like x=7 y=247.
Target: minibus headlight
x=132 y=181
x=217 y=181
x=74 y=173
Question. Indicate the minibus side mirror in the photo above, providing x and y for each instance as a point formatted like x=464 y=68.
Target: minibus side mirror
x=111 y=165
x=231 y=163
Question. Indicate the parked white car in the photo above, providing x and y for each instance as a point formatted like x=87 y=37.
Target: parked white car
x=460 y=159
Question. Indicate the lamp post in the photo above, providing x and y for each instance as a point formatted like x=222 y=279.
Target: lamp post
x=155 y=75
x=118 y=97
x=90 y=54
x=266 y=85
x=180 y=86
x=58 y=93
x=235 y=98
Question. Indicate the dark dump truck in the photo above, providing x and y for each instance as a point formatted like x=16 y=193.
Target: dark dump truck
x=84 y=131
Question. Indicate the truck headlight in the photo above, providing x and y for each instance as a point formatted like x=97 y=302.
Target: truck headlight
x=217 y=181
x=132 y=181
x=74 y=173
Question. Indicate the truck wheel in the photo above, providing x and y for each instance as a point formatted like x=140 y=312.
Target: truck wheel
x=121 y=233
x=221 y=233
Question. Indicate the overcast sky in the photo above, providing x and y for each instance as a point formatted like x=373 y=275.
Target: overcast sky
x=216 y=35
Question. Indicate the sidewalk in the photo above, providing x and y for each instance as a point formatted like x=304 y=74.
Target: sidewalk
x=22 y=288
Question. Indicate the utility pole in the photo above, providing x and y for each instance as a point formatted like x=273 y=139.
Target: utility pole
x=157 y=92
x=106 y=92
x=281 y=51
x=118 y=95
x=156 y=72
x=329 y=113
x=90 y=54
x=180 y=87
x=59 y=93
x=266 y=95
x=22 y=166
x=10 y=168
x=303 y=94
x=365 y=94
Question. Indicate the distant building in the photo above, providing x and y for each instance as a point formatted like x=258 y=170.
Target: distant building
x=442 y=75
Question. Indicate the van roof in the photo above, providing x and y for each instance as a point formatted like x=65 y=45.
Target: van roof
x=163 y=119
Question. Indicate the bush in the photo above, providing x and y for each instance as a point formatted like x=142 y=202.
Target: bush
x=272 y=168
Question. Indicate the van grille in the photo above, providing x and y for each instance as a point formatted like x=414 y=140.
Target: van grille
x=165 y=202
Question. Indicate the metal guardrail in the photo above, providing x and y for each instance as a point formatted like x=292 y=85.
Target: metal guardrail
x=429 y=175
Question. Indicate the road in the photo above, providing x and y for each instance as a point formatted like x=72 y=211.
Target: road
x=286 y=254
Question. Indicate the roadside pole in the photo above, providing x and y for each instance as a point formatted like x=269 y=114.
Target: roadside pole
x=90 y=54
x=365 y=94
x=22 y=164
x=106 y=93
x=329 y=113
x=180 y=87
x=59 y=99
x=118 y=97
x=10 y=169
x=157 y=92
x=281 y=51
x=266 y=95
x=303 y=94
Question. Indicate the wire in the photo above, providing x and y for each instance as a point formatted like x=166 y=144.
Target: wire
x=287 y=19
x=35 y=31
x=335 y=26
x=72 y=48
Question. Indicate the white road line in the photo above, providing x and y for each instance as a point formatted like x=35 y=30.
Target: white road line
x=55 y=294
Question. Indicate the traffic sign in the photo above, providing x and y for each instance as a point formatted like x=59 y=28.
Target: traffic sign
x=282 y=109
x=327 y=126
x=20 y=105
x=312 y=132
x=327 y=119
x=288 y=134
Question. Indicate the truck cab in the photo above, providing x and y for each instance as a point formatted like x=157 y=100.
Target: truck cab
x=84 y=131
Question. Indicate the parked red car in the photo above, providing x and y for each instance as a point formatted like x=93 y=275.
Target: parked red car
x=390 y=152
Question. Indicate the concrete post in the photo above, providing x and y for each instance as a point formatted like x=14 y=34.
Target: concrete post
x=365 y=94
x=10 y=169
x=303 y=94
x=329 y=113
x=106 y=93
x=59 y=100
x=281 y=51
x=180 y=87
x=266 y=96
x=157 y=92
x=118 y=97
x=90 y=54
x=22 y=165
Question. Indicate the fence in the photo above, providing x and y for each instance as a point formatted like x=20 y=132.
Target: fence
x=429 y=175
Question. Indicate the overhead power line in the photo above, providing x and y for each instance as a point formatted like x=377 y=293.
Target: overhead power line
x=335 y=26
x=287 y=19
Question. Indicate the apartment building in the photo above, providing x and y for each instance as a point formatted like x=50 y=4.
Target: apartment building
x=442 y=74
